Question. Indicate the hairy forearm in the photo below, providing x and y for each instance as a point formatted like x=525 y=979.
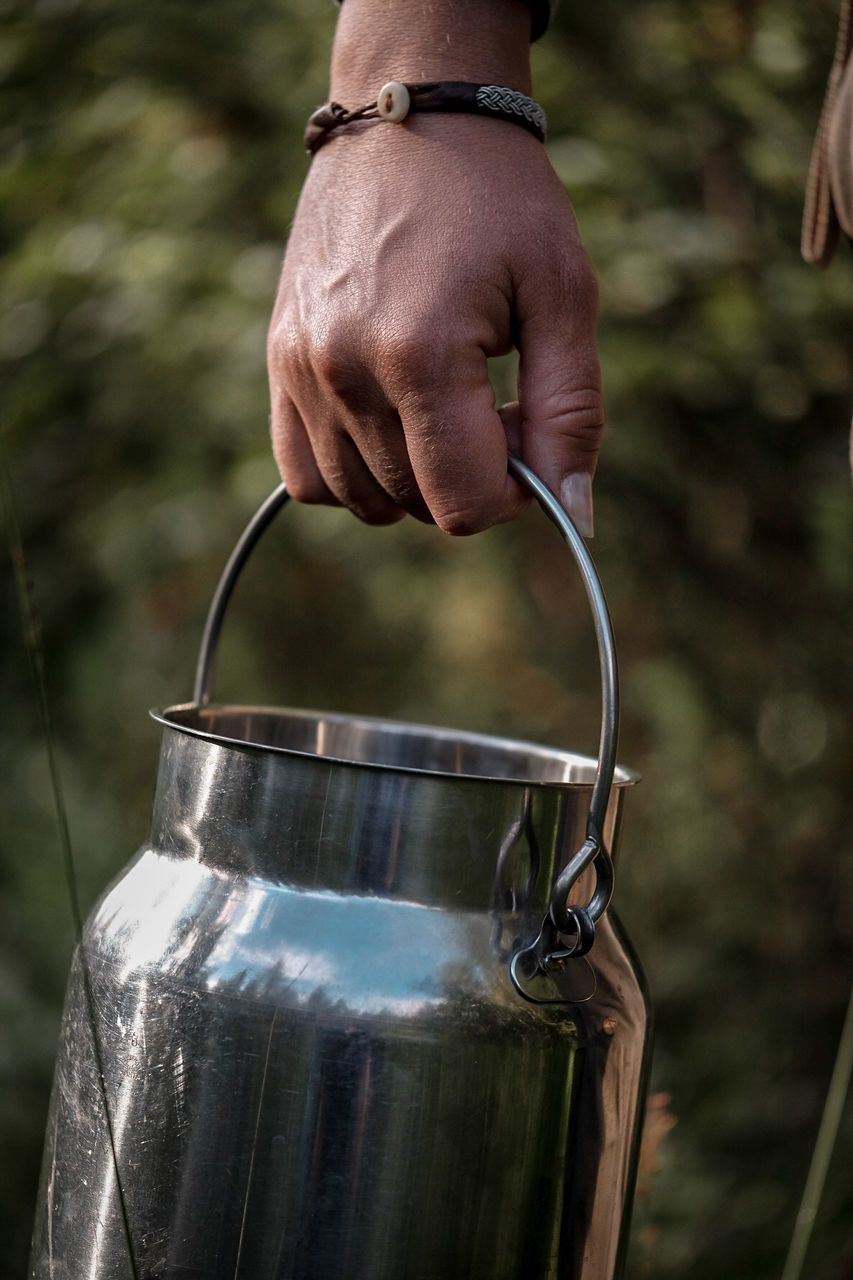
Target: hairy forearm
x=486 y=41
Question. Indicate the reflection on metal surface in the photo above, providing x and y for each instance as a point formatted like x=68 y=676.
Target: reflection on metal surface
x=338 y=1014
x=315 y=1058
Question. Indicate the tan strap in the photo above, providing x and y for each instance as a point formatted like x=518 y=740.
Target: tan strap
x=829 y=186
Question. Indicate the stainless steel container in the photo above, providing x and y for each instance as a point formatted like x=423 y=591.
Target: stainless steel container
x=355 y=1009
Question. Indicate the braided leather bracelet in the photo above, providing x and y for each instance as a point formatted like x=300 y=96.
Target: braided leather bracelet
x=395 y=101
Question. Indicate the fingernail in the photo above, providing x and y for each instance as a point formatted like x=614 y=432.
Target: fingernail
x=576 y=496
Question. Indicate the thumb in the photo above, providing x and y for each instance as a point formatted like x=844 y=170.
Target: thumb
x=562 y=408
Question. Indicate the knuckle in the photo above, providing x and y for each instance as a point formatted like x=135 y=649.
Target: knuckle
x=334 y=363
x=409 y=354
x=327 y=358
x=275 y=341
x=573 y=415
x=570 y=280
x=582 y=286
x=579 y=411
x=282 y=342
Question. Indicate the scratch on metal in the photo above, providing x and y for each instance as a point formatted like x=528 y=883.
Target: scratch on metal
x=254 y=1145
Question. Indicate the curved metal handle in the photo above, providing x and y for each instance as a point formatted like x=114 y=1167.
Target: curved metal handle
x=567 y=930
x=264 y=516
x=563 y=919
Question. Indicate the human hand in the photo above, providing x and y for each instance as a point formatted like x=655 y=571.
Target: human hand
x=417 y=252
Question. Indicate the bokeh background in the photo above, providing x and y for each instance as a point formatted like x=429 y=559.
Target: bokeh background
x=151 y=159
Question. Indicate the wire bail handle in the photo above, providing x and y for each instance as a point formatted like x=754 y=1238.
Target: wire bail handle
x=568 y=930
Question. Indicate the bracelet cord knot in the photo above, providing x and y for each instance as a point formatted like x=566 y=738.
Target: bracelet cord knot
x=497 y=101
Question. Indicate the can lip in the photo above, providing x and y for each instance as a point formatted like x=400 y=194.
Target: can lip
x=522 y=763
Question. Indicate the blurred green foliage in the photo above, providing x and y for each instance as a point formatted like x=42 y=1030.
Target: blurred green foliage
x=151 y=159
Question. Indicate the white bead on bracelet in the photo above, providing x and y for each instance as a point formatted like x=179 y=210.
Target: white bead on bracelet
x=393 y=101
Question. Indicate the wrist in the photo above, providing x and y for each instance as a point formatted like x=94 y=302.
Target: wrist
x=482 y=41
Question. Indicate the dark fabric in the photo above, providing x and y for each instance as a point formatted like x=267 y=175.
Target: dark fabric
x=541 y=11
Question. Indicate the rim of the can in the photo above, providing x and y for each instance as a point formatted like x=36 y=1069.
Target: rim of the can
x=168 y=717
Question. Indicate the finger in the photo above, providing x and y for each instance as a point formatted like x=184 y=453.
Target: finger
x=346 y=474
x=562 y=407
x=295 y=457
x=457 y=445
x=355 y=434
x=380 y=441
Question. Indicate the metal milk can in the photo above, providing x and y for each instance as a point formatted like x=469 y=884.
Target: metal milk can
x=355 y=1009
